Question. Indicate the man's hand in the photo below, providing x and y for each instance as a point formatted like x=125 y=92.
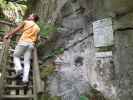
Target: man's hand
x=11 y=33
x=7 y=36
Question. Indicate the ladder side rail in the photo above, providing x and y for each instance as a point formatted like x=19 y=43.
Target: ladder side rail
x=3 y=63
x=36 y=73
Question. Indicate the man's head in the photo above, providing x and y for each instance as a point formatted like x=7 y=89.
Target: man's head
x=33 y=17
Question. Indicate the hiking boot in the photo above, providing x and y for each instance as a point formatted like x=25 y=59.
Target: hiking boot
x=19 y=75
x=25 y=85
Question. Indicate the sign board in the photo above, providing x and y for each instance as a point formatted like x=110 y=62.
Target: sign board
x=103 y=54
x=103 y=32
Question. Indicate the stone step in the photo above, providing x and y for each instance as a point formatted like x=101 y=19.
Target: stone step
x=17 y=97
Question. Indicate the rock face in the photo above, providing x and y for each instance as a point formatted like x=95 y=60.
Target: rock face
x=80 y=70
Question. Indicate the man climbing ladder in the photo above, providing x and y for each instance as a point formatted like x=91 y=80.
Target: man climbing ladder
x=25 y=45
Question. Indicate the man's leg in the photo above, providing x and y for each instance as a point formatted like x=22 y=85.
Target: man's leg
x=27 y=58
x=19 y=50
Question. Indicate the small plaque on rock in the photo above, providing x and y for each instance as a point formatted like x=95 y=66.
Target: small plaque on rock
x=103 y=32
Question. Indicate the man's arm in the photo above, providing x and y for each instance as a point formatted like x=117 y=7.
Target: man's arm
x=17 y=29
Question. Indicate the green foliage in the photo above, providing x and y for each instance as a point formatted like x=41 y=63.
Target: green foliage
x=83 y=98
x=2 y=2
x=2 y=32
x=95 y=94
x=2 y=17
x=54 y=53
x=24 y=2
x=47 y=71
x=46 y=29
x=48 y=97
x=55 y=98
x=11 y=7
x=58 y=51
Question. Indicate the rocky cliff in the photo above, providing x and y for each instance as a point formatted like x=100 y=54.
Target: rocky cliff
x=79 y=69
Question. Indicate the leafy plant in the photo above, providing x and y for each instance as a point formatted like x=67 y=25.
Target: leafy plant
x=13 y=7
x=2 y=32
x=83 y=98
x=48 y=97
x=2 y=17
x=54 y=53
x=46 y=29
x=46 y=71
x=55 y=98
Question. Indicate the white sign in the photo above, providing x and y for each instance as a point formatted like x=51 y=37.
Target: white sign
x=103 y=54
x=103 y=32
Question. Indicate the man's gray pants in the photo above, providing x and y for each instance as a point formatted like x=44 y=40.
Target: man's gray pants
x=23 y=49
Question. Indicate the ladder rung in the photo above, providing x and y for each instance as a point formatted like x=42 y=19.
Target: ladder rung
x=11 y=55
x=16 y=86
x=11 y=62
x=11 y=50
x=11 y=69
x=18 y=97
x=12 y=77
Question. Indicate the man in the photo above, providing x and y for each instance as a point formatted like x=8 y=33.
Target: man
x=29 y=30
